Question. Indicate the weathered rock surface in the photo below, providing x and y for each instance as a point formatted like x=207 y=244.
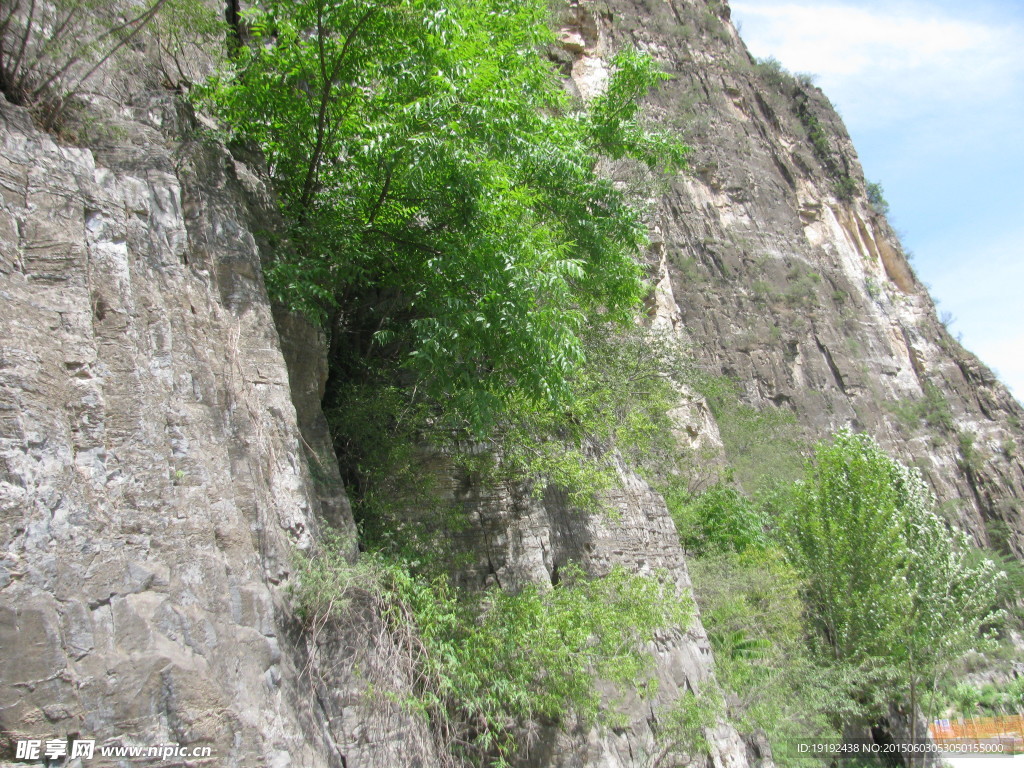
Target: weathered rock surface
x=163 y=452
x=152 y=480
x=507 y=536
x=787 y=280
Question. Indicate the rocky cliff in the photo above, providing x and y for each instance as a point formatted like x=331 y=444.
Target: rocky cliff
x=165 y=457
x=163 y=454
x=786 y=279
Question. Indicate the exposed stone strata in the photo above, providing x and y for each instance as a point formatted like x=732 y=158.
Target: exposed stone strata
x=804 y=297
x=153 y=481
x=511 y=537
x=162 y=451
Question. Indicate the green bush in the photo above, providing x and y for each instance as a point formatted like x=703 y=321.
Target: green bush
x=970 y=457
x=771 y=71
x=718 y=520
x=489 y=664
x=845 y=187
x=393 y=447
x=876 y=197
x=963 y=699
x=751 y=607
x=680 y=729
x=763 y=446
x=887 y=585
x=932 y=409
x=49 y=52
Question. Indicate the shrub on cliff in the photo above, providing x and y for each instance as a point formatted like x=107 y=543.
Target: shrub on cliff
x=445 y=211
x=50 y=52
x=485 y=666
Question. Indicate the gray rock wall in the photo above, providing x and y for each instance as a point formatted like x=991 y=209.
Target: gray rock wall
x=509 y=537
x=152 y=479
x=800 y=292
x=163 y=453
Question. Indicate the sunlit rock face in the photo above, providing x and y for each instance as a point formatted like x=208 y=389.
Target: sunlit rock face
x=163 y=454
x=153 y=476
x=786 y=279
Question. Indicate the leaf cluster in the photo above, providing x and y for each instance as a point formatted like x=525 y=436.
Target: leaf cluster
x=885 y=578
x=829 y=599
x=446 y=216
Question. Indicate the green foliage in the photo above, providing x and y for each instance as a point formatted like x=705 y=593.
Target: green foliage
x=816 y=133
x=932 y=409
x=680 y=729
x=393 y=447
x=709 y=21
x=831 y=598
x=845 y=187
x=800 y=292
x=488 y=664
x=836 y=165
x=964 y=699
x=762 y=445
x=886 y=583
x=618 y=409
x=718 y=520
x=876 y=197
x=771 y=71
x=751 y=607
x=802 y=287
x=970 y=457
x=445 y=212
x=1009 y=585
x=325 y=582
x=183 y=33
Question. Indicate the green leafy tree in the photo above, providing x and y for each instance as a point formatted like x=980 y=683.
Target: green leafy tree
x=445 y=213
x=890 y=589
x=876 y=197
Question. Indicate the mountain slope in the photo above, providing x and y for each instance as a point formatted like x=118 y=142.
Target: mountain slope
x=790 y=283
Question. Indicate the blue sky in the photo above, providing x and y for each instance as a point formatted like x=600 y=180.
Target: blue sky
x=932 y=92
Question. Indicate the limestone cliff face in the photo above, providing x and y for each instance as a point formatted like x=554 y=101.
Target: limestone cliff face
x=784 y=277
x=151 y=485
x=163 y=453
x=155 y=476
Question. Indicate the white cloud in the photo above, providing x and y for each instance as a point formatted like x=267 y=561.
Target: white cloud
x=886 y=64
x=934 y=91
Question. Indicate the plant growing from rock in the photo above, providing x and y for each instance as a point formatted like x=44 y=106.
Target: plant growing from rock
x=50 y=50
x=486 y=665
x=445 y=212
